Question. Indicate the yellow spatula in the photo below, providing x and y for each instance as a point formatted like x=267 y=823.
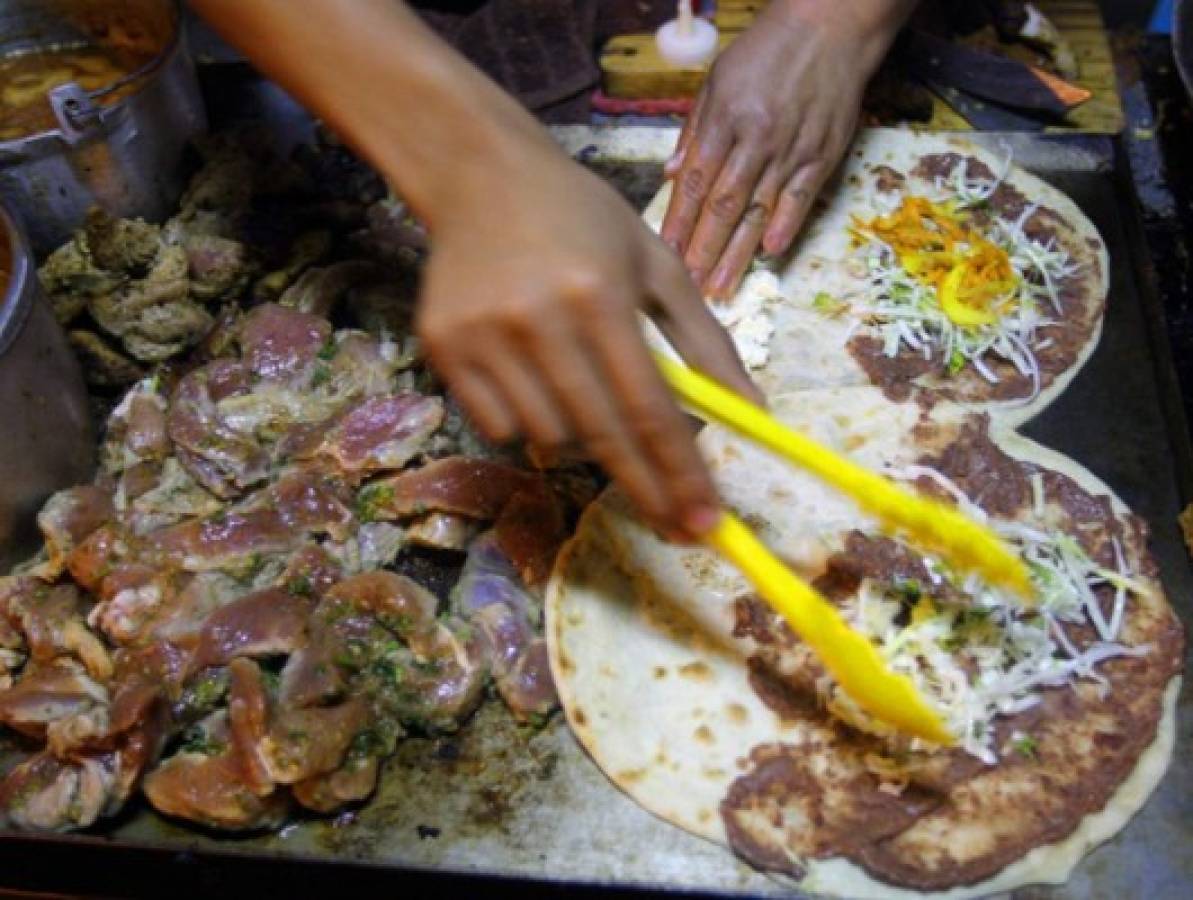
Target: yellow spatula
x=849 y=656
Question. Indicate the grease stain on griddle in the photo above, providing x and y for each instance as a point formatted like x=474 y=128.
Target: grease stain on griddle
x=476 y=780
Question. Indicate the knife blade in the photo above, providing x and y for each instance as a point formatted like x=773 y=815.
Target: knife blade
x=987 y=76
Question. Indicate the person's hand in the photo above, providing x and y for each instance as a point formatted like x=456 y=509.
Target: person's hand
x=772 y=121
x=530 y=311
x=538 y=270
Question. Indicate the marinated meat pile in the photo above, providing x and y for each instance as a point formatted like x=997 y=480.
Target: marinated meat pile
x=221 y=619
x=251 y=226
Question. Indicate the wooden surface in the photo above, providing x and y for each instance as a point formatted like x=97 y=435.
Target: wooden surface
x=632 y=69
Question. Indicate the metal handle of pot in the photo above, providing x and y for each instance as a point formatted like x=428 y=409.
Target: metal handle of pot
x=78 y=112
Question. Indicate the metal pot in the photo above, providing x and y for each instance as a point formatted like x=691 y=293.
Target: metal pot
x=1182 y=41
x=46 y=437
x=124 y=155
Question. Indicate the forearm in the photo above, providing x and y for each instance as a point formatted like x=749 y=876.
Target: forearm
x=407 y=102
x=874 y=21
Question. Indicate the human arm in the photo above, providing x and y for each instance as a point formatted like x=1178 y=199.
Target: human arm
x=770 y=124
x=538 y=270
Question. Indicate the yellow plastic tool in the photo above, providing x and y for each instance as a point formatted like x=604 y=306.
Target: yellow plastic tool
x=849 y=656
x=931 y=526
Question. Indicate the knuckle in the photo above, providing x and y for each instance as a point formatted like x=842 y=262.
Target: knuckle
x=757 y=121
x=499 y=431
x=651 y=425
x=432 y=332
x=605 y=447
x=520 y=316
x=756 y=214
x=693 y=184
x=725 y=206
x=798 y=192
x=583 y=288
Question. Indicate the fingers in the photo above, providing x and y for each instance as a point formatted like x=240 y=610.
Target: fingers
x=723 y=209
x=660 y=430
x=815 y=160
x=692 y=329
x=582 y=389
x=743 y=245
x=795 y=202
x=709 y=146
x=541 y=418
x=481 y=398
x=691 y=124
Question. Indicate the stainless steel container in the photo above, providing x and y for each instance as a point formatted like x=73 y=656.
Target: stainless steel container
x=124 y=155
x=46 y=436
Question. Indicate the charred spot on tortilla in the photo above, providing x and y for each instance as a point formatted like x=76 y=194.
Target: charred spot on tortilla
x=697 y=670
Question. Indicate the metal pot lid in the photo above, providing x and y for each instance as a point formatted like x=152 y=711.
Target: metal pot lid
x=1182 y=41
x=15 y=298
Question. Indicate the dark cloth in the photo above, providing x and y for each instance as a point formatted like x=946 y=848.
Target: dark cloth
x=541 y=51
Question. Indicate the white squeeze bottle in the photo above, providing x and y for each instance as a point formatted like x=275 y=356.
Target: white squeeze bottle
x=687 y=41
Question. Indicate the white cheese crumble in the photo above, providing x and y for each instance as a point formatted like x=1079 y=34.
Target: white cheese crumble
x=749 y=316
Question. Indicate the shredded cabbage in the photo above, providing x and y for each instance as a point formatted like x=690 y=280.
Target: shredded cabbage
x=979 y=653
x=906 y=310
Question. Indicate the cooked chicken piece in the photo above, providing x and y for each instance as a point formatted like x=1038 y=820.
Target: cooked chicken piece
x=307 y=249
x=51 y=620
x=48 y=794
x=54 y=692
x=205 y=783
x=492 y=597
x=276 y=519
x=381 y=432
x=103 y=365
x=154 y=316
x=180 y=622
x=442 y=531
x=353 y=782
x=267 y=623
x=126 y=246
x=281 y=744
x=477 y=488
x=70 y=279
x=130 y=597
x=319 y=290
x=280 y=344
x=310 y=572
x=170 y=496
x=220 y=268
x=217 y=456
x=67 y=518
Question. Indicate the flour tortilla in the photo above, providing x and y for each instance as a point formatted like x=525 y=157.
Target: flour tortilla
x=655 y=684
x=807 y=349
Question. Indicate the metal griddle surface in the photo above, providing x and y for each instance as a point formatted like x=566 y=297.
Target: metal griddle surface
x=500 y=800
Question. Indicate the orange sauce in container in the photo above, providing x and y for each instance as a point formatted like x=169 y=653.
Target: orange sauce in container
x=27 y=77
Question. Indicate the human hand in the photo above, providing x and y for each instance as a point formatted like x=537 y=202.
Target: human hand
x=772 y=121
x=530 y=311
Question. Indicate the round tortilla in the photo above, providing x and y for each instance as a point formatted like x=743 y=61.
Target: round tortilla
x=658 y=679
x=791 y=345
